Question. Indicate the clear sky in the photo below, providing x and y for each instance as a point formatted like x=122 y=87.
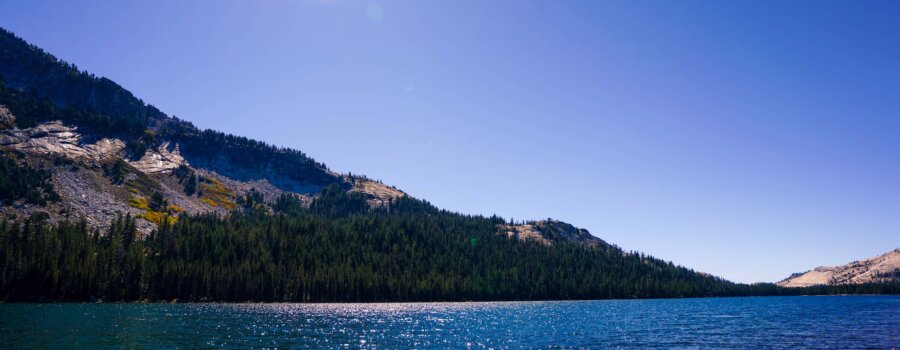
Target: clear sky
x=748 y=139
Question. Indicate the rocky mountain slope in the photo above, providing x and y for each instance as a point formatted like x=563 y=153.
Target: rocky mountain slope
x=109 y=153
x=880 y=269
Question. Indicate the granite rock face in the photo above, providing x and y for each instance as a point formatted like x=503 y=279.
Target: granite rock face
x=55 y=138
x=377 y=193
x=164 y=158
x=880 y=269
x=550 y=232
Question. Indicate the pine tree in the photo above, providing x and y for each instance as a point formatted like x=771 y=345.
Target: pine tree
x=158 y=202
x=117 y=171
x=190 y=185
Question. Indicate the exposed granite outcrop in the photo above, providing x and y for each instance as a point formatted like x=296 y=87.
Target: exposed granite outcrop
x=549 y=232
x=164 y=158
x=880 y=269
x=377 y=193
x=54 y=138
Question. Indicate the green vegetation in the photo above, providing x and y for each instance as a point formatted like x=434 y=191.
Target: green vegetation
x=214 y=193
x=142 y=185
x=336 y=251
x=24 y=182
x=187 y=178
x=158 y=202
x=236 y=157
x=156 y=209
x=253 y=202
x=116 y=171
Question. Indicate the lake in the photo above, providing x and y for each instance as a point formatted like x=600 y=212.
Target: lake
x=770 y=322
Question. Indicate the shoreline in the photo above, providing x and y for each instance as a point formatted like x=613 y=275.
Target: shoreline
x=439 y=302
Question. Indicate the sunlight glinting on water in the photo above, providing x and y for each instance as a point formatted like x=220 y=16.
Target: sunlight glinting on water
x=781 y=322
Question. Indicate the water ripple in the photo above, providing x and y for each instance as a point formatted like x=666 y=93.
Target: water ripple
x=725 y=323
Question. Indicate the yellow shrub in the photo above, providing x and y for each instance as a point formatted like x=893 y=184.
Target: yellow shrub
x=157 y=217
x=139 y=203
x=217 y=195
x=175 y=209
x=227 y=204
x=142 y=185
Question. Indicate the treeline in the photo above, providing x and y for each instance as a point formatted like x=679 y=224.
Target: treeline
x=768 y=289
x=335 y=250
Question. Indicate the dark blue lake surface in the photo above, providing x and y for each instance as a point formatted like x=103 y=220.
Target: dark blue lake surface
x=770 y=322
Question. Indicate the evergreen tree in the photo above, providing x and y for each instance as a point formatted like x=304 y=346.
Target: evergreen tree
x=158 y=202
x=116 y=171
x=190 y=185
x=22 y=182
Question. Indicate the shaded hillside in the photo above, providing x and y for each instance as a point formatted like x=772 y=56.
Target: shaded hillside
x=36 y=87
x=27 y=68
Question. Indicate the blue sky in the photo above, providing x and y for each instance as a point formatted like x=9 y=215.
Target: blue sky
x=748 y=139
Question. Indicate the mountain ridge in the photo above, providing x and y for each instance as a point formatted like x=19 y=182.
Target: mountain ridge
x=884 y=268
x=92 y=121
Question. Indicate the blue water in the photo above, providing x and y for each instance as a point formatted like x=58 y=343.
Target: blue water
x=770 y=322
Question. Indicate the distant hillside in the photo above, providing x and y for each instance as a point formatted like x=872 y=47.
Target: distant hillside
x=881 y=269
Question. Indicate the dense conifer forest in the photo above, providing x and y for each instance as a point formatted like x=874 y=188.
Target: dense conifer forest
x=336 y=250
x=20 y=181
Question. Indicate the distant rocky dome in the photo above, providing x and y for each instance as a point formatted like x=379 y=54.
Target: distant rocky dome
x=880 y=269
